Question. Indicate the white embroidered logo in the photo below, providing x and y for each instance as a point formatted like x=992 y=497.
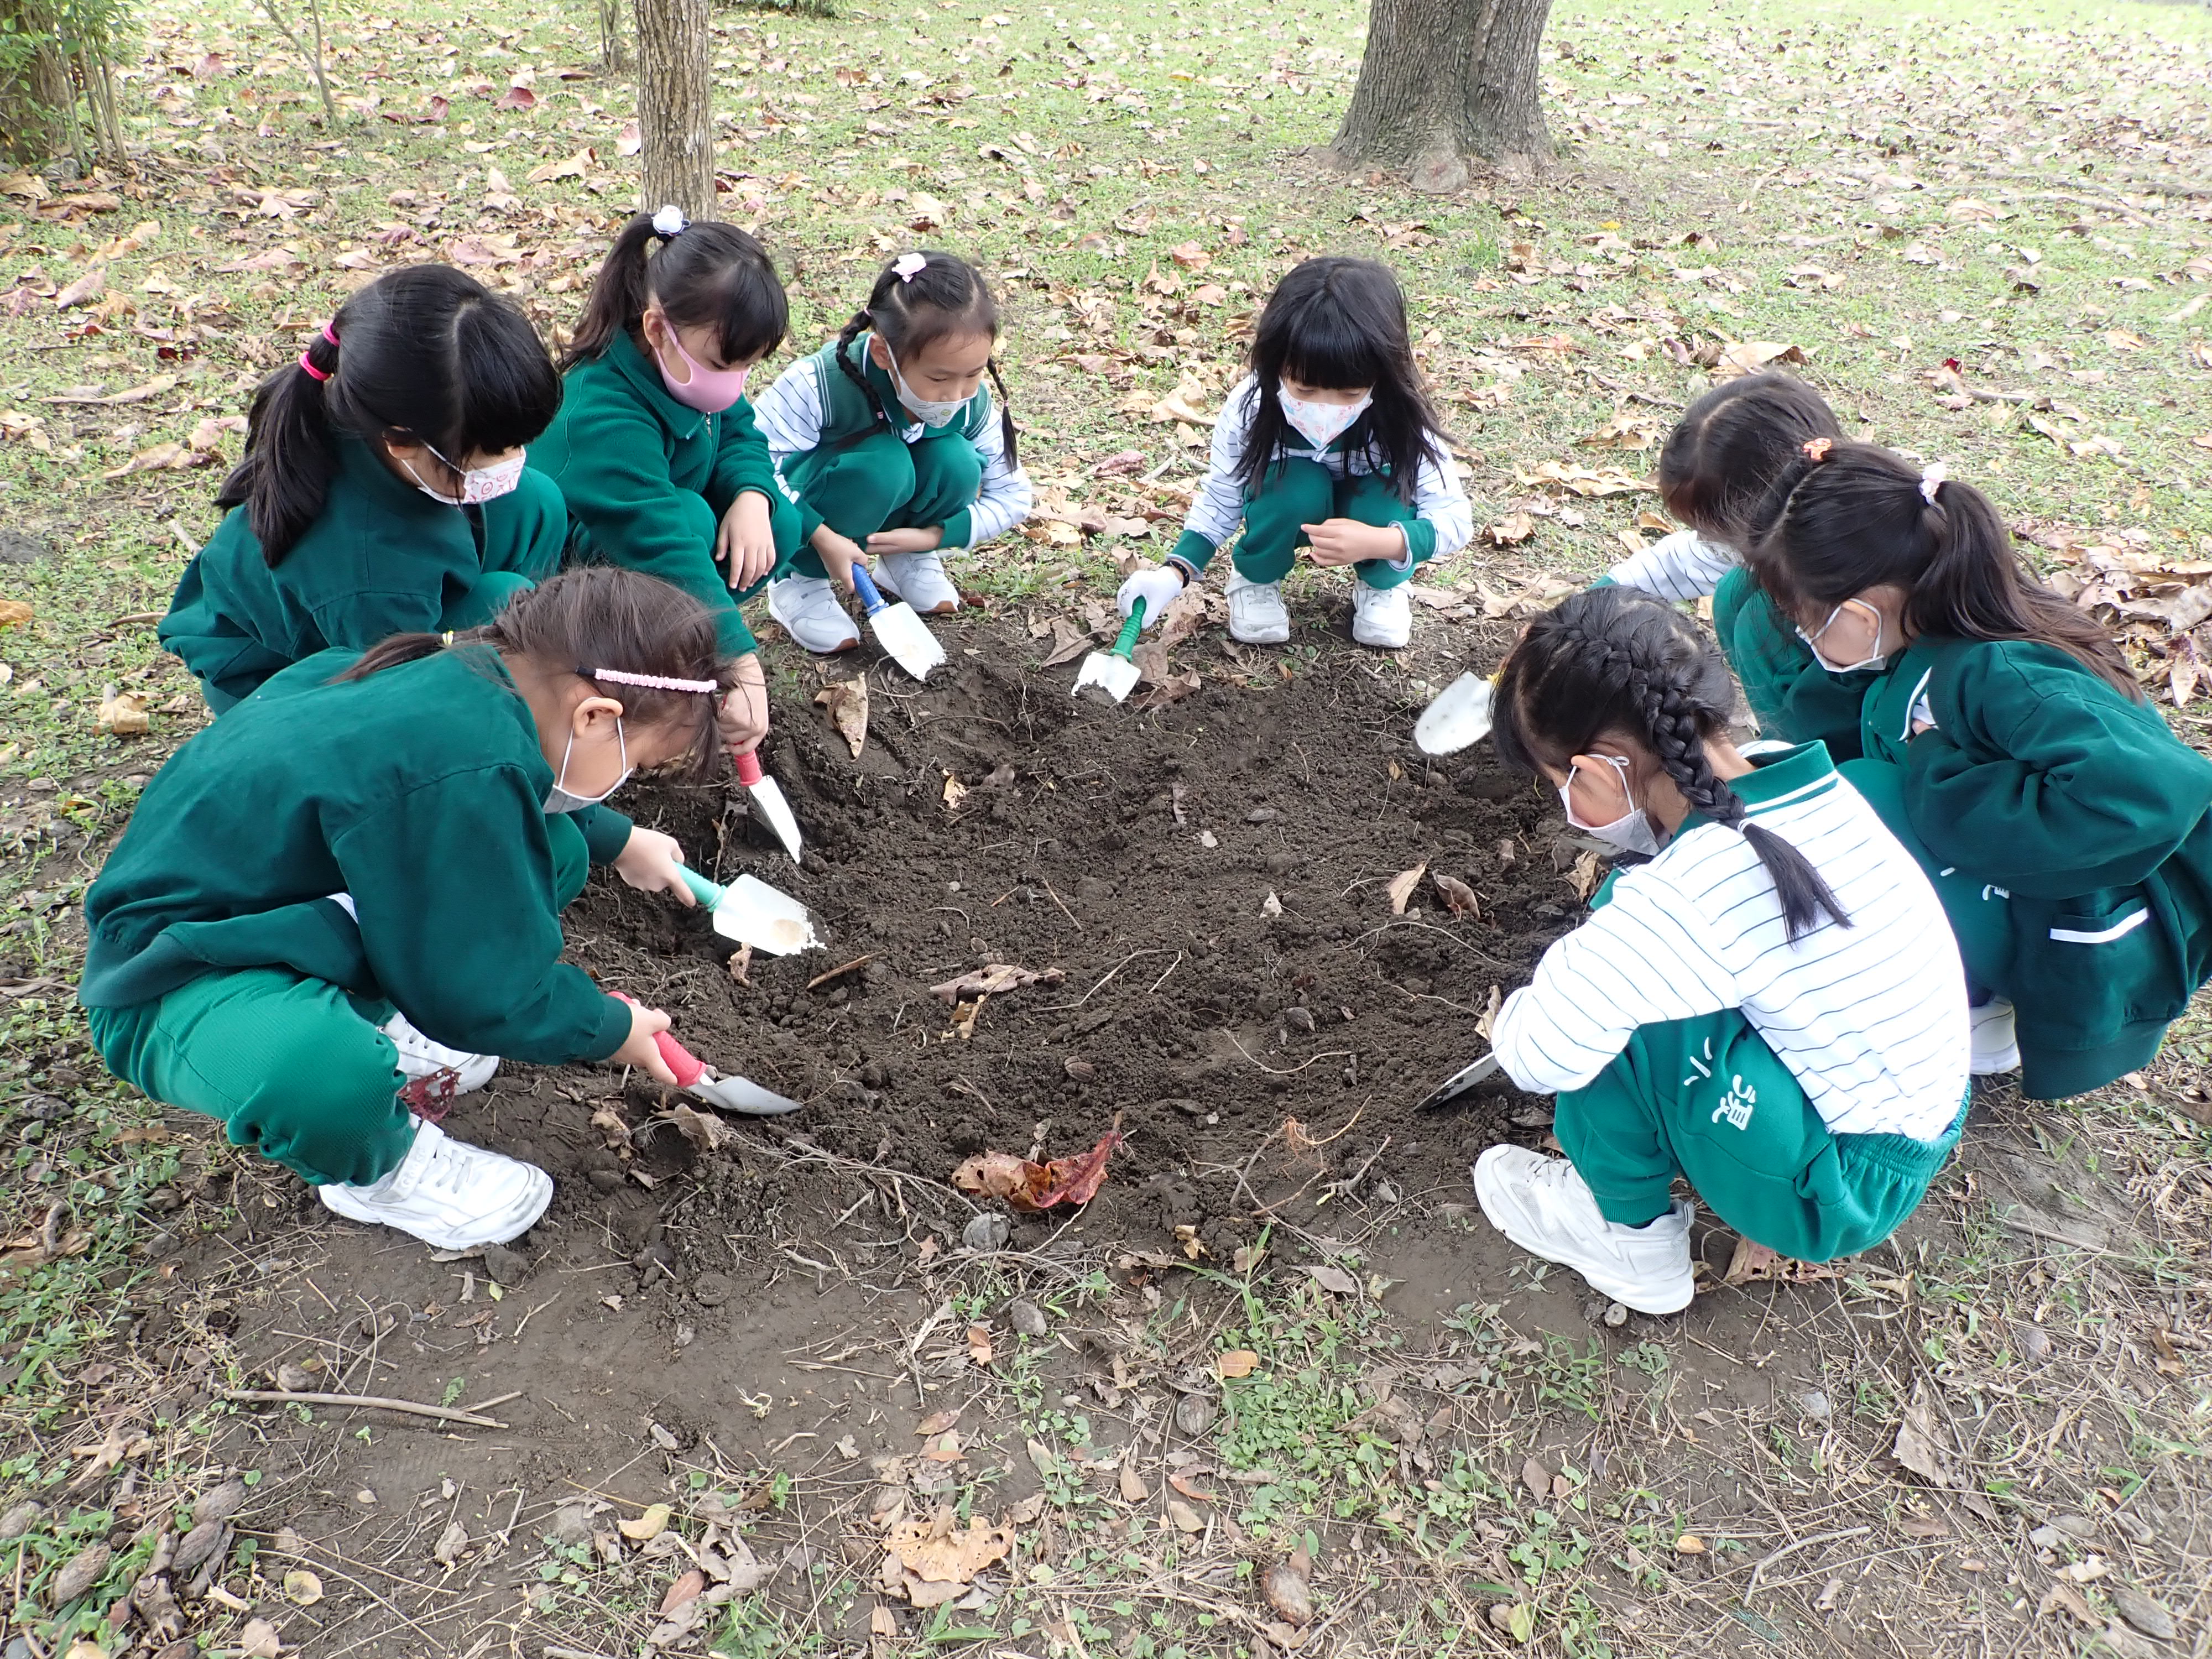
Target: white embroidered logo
x=1735 y=1106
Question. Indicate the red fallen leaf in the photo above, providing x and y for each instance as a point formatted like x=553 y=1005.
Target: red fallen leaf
x=437 y=107
x=210 y=68
x=1190 y=1489
x=684 y=1591
x=1076 y=1180
x=516 y=98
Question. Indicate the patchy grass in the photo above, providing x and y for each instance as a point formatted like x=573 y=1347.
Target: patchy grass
x=1984 y=229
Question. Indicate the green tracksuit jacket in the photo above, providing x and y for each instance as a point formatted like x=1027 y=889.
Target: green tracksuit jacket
x=419 y=792
x=381 y=558
x=647 y=480
x=2082 y=810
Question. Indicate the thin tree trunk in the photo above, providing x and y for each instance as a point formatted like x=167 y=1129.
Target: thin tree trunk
x=314 y=60
x=32 y=98
x=1444 y=82
x=675 y=104
x=614 y=45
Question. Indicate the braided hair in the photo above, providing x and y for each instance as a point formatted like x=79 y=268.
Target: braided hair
x=911 y=306
x=1613 y=663
x=1846 y=517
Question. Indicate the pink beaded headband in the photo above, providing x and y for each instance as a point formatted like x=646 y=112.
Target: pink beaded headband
x=651 y=682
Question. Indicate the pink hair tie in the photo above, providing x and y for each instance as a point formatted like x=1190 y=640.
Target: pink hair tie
x=318 y=374
x=329 y=331
x=651 y=682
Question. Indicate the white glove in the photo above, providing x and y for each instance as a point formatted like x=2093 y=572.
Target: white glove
x=1159 y=586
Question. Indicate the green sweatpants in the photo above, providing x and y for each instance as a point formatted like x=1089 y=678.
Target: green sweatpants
x=1706 y=1098
x=1296 y=493
x=882 y=482
x=292 y=1065
x=1791 y=695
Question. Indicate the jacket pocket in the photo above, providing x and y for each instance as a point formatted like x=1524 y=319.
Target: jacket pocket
x=2110 y=968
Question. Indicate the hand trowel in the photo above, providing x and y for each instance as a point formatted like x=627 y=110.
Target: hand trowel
x=1458 y=719
x=897 y=629
x=768 y=800
x=753 y=913
x=728 y=1094
x=1112 y=671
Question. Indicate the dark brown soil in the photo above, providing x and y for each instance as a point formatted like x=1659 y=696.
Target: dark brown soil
x=1133 y=851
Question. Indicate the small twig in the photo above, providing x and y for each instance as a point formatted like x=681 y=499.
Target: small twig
x=840 y=971
x=1056 y=1007
x=497 y=1400
x=1163 y=979
x=1791 y=1549
x=1064 y=910
x=288 y=1396
x=1332 y=1053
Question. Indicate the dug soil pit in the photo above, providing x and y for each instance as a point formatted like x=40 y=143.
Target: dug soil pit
x=1231 y=903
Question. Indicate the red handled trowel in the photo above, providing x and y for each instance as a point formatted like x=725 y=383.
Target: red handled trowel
x=768 y=800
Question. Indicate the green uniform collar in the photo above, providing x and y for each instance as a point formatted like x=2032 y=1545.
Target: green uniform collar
x=884 y=390
x=643 y=373
x=1781 y=779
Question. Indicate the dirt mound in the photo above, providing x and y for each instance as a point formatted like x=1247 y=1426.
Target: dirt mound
x=1208 y=881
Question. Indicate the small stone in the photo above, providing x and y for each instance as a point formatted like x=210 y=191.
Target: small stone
x=2075 y=1527
x=2045 y=1538
x=294 y=1379
x=507 y=1267
x=1025 y=1317
x=1195 y=1413
x=200 y=1547
x=986 y=1231
x=571 y=1526
x=1816 y=1405
x=1080 y=1071
x=2146 y=1613
x=221 y=1503
x=604 y=1181
x=2034 y=1343
x=79 y=1576
x=712 y=1289
x=1282 y=863
x=1261 y=815
x=1616 y=1316
x=20 y=1519
x=1298 y=1019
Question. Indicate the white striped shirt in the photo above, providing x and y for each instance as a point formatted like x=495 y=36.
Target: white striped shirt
x=1677 y=567
x=1871 y=1019
x=1218 y=507
x=789 y=415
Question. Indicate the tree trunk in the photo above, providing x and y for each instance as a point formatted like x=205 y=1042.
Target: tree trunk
x=1443 y=81
x=675 y=106
x=36 y=93
x=614 y=45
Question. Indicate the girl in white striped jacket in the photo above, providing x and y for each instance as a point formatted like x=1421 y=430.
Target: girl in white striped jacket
x=1772 y=1006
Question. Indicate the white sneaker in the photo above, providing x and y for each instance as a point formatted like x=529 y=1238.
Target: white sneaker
x=1257 y=615
x=1543 y=1205
x=1381 y=616
x=809 y=608
x=1996 y=1047
x=422 y=1058
x=920 y=579
x=450 y=1195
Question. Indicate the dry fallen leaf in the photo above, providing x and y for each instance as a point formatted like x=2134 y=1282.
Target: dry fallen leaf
x=1402 y=885
x=683 y=1591
x=1185 y=1517
x=14 y=613
x=301 y=1588
x=1236 y=1362
x=1289 y=1590
x=650 y=1525
x=1512 y=528
x=994 y=978
x=1755 y=1263
x=123 y=714
x=1922 y=1437
x=933 y=1551
x=1689 y=1543
x=1134 y=1489
x=847 y=703
x=978 y=1345
x=1458 y=895
x=1749 y=357
x=259 y=1640
x=450 y=1542
x=1334 y=1279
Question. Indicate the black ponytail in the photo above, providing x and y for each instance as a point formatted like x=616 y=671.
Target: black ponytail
x=1730 y=444
x=1341 y=323
x=1614 y=663
x=422 y=354
x=592 y=619
x=1855 y=516
x=706 y=274
x=944 y=295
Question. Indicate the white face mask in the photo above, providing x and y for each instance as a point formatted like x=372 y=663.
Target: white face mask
x=558 y=799
x=931 y=412
x=1876 y=660
x=1631 y=832
x=478 y=484
x=1321 y=424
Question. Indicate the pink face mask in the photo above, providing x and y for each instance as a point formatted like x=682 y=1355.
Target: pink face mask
x=709 y=391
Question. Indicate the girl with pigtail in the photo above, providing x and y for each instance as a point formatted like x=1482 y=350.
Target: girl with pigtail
x=384 y=488
x=336 y=906
x=655 y=448
x=2006 y=741
x=893 y=448
x=1755 y=1008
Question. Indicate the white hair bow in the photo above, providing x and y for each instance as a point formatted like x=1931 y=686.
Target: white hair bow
x=670 y=221
x=1932 y=477
x=908 y=266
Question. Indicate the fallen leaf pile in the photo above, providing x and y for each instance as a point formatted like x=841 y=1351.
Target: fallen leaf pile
x=1029 y=1187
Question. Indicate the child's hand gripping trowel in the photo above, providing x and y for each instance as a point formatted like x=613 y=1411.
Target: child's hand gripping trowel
x=897 y=629
x=753 y=913
x=768 y=800
x=1112 y=671
x=1459 y=718
x=728 y=1094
